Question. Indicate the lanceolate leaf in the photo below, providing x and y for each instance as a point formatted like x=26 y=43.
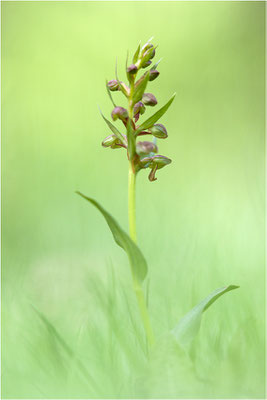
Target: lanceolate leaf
x=189 y=325
x=113 y=128
x=109 y=94
x=136 y=54
x=155 y=65
x=140 y=88
x=122 y=88
x=155 y=117
x=136 y=258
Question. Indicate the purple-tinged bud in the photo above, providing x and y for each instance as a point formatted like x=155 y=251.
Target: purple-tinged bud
x=138 y=109
x=119 y=112
x=146 y=64
x=153 y=74
x=144 y=148
x=132 y=69
x=159 y=131
x=113 y=142
x=113 y=85
x=150 y=53
x=149 y=99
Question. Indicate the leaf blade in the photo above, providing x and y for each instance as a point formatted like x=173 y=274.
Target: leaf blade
x=155 y=117
x=109 y=94
x=188 y=327
x=141 y=87
x=136 y=54
x=136 y=258
x=113 y=128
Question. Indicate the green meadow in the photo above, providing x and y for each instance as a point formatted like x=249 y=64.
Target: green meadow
x=70 y=322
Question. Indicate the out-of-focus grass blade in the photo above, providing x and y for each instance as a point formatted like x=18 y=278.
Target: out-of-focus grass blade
x=155 y=117
x=113 y=128
x=141 y=87
x=188 y=327
x=136 y=258
x=109 y=94
x=53 y=332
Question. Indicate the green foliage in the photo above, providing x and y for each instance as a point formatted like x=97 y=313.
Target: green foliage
x=155 y=117
x=201 y=226
x=113 y=128
x=136 y=258
x=109 y=95
x=140 y=88
x=188 y=327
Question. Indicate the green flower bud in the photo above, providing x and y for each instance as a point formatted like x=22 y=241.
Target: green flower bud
x=146 y=47
x=132 y=69
x=149 y=99
x=153 y=74
x=143 y=148
x=146 y=64
x=150 y=53
x=119 y=112
x=113 y=142
x=159 y=131
x=113 y=85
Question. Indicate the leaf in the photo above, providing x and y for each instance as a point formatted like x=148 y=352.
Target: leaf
x=155 y=65
x=109 y=94
x=155 y=117
x=188 y=327
x=136 y=54
x=140 y=88
x=113 y=128
x=122 y=88
x=136 y=258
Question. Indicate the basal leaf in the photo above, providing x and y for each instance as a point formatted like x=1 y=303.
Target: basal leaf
x=113 y=128
x=136 y=258
x=155 y=117
x=188 y=327
x=141 y=85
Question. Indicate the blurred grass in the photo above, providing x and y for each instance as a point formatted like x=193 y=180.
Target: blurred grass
x=201 y=225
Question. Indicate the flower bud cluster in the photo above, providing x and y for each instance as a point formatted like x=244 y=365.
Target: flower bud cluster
x=142 y=154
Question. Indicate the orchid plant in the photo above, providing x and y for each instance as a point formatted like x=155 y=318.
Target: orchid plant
x=143 y=155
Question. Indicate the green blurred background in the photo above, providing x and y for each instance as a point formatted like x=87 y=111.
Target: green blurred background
x=200 y=225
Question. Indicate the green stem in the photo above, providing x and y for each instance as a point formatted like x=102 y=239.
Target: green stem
x=137 y=286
